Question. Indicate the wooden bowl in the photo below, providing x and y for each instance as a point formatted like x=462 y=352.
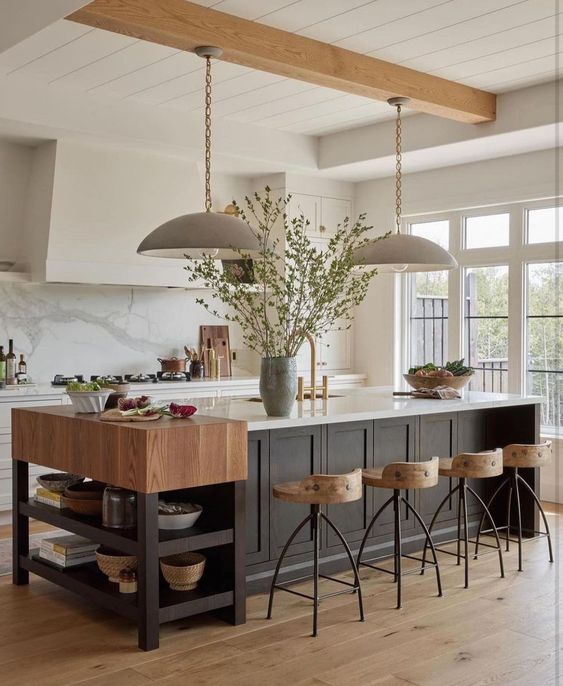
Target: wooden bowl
x=58 y=482
x=183 y=570
x=89 y=490
x=86 y=507
x=112 y=562
x=457 y=382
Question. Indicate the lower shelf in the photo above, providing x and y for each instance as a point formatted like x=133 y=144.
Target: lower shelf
x=90 y=583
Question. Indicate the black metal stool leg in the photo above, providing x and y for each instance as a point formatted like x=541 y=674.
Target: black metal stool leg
x=482 y=520
x=352 y=563
x=463 y=493
x=458 y=560
x=398 y=542
x=537 y=501
x=316 y=543
x=440 y=506
x=368 y=530
x=493 y=526
x=519 y=519
x=508 y=513
x=280 y=560
x=430 y=543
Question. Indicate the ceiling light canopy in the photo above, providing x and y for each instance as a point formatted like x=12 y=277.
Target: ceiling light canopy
x=401 y=252
x=198 y=234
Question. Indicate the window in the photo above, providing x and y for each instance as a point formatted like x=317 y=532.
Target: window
x=545 y=225
x=486 y=327
x=477 y=320
x=429 y=303
x=544 y=338
x=487 y=231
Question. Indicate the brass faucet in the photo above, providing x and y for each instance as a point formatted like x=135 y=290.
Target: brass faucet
x=312 y=389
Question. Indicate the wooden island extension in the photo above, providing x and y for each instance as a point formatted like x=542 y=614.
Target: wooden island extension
x=243 y=528
x=201 y=459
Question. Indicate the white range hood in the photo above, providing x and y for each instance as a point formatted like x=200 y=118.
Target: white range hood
x=90 y=206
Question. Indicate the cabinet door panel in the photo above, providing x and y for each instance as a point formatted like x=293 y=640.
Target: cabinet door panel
x=472 y=438
x=333 y=212
x=258 y=498
x=395 y=441
x=350 y=446
x=310 y=206
x=438 y=438
x=294 y=454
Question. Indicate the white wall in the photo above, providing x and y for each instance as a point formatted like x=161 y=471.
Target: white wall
x=15 y=168
x=503 y=180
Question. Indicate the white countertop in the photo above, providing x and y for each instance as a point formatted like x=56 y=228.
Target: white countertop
x=238 y=381
x=354 y=405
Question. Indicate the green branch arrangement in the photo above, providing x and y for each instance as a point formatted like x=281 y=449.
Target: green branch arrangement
x=297 y=288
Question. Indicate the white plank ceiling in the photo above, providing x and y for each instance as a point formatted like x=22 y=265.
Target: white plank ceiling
x=497 y=45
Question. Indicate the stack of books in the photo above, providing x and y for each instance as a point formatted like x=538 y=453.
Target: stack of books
x=68 y=551
x=43 y=495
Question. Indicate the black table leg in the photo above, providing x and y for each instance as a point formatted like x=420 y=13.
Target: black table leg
x=148 y=570
x=20 y=523
x=239 y=503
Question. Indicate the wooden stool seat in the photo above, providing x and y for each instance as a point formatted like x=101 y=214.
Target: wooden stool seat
x=515 y=456
x=521 y=455
x=472 y=465
x=322 y=489
x=403 y=475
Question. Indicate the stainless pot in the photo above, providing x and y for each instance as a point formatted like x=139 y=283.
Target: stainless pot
x=119 y=508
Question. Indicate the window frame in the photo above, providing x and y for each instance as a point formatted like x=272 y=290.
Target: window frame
x=517 y=255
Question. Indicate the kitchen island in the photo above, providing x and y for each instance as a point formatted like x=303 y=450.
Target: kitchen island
x=362 y=428
x=368 y=428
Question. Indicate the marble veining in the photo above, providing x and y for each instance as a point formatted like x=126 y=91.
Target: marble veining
x=68 y=329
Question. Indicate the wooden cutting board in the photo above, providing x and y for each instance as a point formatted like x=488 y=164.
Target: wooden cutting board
x=116 y=416
x=217 y=338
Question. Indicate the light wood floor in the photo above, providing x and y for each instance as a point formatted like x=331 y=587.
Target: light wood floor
x=500 y=631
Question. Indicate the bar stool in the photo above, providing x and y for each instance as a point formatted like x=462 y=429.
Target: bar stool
x=401 y=476
x=462 y=467
x=317 y=490
x=518 y=455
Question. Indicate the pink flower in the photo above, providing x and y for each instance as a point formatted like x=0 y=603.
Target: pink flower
x=181 y=411
x=125 y=404
x=142 y=401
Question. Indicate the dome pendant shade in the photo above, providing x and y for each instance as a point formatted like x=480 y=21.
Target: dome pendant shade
x=401 y=252
x=201 y=233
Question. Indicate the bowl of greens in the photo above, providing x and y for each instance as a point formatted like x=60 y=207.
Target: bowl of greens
x=89 y=397
x=453 y=374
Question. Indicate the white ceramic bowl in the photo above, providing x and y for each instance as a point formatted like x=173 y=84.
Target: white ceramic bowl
x=172 y=522
x=89 y=401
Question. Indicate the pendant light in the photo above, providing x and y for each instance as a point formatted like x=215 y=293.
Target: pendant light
x=194 y=235
x=401 y=252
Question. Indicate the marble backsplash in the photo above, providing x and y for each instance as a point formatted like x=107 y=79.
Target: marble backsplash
x=76 y=329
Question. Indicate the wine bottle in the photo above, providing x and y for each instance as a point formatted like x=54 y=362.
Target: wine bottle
x=2 y=367
x=10 y=364
x=22 y=365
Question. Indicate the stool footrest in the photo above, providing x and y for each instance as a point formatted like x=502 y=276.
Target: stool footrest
x=536 y=534
x=283 y=587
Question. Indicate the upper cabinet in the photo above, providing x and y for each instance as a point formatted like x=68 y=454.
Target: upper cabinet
x=324 y=214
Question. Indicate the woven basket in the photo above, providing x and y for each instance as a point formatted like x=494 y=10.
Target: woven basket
x=111 y=563
x=457 y=382
x=183 y=570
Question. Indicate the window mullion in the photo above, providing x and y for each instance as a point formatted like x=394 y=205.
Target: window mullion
x=516 y=315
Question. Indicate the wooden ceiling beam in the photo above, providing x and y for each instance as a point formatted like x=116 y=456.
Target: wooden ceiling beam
x=185 y=26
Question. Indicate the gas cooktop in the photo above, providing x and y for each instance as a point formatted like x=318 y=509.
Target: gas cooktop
x=140 y=377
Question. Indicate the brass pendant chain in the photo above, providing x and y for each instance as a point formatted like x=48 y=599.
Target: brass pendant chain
x=398 y=160
x=208 y=134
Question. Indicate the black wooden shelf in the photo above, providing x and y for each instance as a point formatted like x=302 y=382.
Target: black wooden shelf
x=205 y=535
x=87 y=581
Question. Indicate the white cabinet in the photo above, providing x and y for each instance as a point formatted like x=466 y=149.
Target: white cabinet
x=333 y=212
x=324 y=214
x=335 y=350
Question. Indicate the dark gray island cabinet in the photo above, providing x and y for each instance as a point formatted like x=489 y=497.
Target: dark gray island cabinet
x=295 y=451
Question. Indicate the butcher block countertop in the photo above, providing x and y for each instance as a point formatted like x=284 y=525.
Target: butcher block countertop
x=149 y=457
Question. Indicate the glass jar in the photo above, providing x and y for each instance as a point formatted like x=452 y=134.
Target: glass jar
x=119 y=508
